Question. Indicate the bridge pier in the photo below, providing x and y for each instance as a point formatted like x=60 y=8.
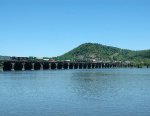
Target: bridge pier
x=56 y=66
x=99 y=65
x=33 y=66
x=82 y=66
x=68 y=66
x=23 y=66
x=78 y=66
x=73 y=66
x=13 y=66
x=90 y=66
x=41 y=68
x=94 y=66
x=63 y=66
x=1 y=69
x=1 y=66
x=49 y=66
x=86 y=66
x=104 y=65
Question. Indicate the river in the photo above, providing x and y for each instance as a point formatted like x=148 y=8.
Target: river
x=92 y=92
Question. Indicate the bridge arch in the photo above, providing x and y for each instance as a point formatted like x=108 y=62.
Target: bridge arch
x=84 y=66
x=28 y=66
x=71 y=66
x=89 y=65
x=7 y=66
x=53 y=66
x=66 y=65
x=18 y=66
x=37 y=66
x=76 y=66
x=46 y=66
x=60 y=65
x=80 y=66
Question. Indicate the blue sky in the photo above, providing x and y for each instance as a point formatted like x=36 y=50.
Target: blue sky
x=53 y=27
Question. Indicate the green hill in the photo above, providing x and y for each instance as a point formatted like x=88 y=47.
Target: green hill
x=98 y=52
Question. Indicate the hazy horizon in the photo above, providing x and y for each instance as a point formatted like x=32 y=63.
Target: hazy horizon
x=51 y=28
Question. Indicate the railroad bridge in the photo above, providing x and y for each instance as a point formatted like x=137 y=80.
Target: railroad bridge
x=45 y=65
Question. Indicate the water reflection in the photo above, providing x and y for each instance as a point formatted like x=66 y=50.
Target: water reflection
x=95 y=85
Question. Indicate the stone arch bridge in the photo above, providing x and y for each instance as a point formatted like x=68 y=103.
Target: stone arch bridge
x=45 y=65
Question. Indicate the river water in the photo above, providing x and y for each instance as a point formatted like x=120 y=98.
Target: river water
x=96 y=92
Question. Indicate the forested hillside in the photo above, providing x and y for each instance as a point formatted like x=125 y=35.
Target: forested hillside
x=99 y=52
